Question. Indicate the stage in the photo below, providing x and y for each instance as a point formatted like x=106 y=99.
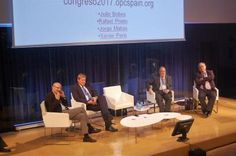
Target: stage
x=207 y=133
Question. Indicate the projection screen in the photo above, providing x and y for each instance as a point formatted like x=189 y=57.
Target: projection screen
x=89 y=22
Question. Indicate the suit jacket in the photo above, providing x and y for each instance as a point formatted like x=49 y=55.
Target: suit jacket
x=54 y=105
x=78 y=94
x=200 y=79
x=155 y=82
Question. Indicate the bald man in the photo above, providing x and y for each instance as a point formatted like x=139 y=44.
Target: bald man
x=53 y=103
x=205 y=84
x=161 y=84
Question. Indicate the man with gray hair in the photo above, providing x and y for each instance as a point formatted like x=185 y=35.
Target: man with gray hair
x=161 y=84
x=56 y=98
x=205 y=84
x=84 y=92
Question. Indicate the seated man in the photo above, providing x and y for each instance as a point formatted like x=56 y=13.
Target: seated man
x=83 y=92
x=3 y=146
x=205 y=84
x=162 y=85
x=53 y=103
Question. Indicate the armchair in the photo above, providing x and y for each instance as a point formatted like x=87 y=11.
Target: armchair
x=151 y=98
x=196 y=94
x=116 y=99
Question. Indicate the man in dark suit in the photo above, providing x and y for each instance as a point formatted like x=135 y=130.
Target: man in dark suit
x=3 y=145
x=162 y=85
x=53 y=102
x=205 y=84
x=83 y=92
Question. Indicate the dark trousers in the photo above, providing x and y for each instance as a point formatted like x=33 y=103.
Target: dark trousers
x=102 y=106
x=2 y=143
x=211 y=96
x=160 y=96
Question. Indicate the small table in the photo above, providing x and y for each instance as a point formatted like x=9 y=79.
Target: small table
x=169 y=115
x=140 y=121
x=146 y=120
x=184 y=117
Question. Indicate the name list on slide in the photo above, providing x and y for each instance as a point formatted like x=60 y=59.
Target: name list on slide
x=112 y=25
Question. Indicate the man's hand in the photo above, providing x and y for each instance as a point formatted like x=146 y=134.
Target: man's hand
x=92 y=102
x=57 y=95
x=95 y=99
x=62 y=94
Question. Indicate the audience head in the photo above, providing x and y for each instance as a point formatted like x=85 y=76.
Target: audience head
x=81 y=79
x=162 y=71
x=202 y=67
x=56 y=87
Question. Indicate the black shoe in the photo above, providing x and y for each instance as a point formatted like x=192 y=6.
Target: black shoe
x=89 y=139
x=111 y=129
x=206 y=114
x=4 y=150
x=94 y=130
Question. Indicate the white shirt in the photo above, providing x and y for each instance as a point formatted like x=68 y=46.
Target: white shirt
x=87 y=95
x=162 y=84
x=207 y=83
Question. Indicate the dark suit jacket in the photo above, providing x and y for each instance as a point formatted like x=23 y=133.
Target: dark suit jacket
x=78 y=94
x=52 y=104
x=155 y=82
x=200 y=79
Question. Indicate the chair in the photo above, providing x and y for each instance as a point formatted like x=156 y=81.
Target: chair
x=151 y=98
x=53 y=119
x=91 y=114
x=196 y=94
x=116 y=99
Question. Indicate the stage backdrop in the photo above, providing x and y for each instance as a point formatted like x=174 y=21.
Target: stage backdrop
x=27 y=74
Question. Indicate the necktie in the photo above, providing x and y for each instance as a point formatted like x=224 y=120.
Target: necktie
x=86 y=93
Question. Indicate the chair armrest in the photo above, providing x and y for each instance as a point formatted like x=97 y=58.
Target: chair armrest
x=172 y=96
x=217 y=93
x=52 y=119
x=151 y=97
x=195 y=93
x=75 y=104
x=127 y=97
x=110 y=99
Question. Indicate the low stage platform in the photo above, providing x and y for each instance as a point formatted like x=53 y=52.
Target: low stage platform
x=212 y=133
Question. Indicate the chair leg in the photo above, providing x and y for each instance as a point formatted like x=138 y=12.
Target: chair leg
x=216 y=110
x=45 y=131
x=196 y=102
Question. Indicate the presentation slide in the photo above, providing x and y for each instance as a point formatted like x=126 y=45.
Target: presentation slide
x=89 y=22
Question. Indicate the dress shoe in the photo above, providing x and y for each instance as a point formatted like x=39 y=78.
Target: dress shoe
x=94 y=130
x=111 y=129
x=89 y=139
x=206 y=115
x=4 y=150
